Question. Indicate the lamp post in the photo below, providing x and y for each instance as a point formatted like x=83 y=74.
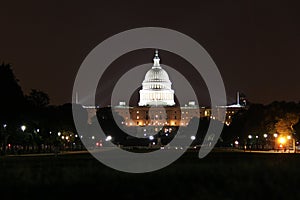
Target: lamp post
x=294 y=145
x=256 y=142
x=265 y=141
x=275 y=135
x=5 y=138
x=23 y=128
x=250 y=142
x=291 y=143
x=25 y=144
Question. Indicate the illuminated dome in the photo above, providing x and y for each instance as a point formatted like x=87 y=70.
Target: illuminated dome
x=156 y=87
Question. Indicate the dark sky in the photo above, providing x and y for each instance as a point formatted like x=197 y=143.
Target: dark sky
x=254 y=43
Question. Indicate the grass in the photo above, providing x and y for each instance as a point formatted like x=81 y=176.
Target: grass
x=227 y=175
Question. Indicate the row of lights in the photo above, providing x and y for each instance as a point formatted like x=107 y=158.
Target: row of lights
x=281 y=139
x=151 y=137
x=157 y=123
x=23 y=128
x=265 y=136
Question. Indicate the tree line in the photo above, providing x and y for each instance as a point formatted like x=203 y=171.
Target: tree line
x=263 y=123
x=28 y=123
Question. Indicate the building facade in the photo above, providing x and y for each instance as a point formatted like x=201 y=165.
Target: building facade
x=158 y=115
x=156 y=106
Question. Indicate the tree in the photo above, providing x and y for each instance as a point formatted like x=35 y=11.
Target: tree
x=38 y=99
x=250 y=121
x=284 y=126
x=12 y=103
x=12 y=100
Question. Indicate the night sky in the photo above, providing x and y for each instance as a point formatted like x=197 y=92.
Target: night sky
x=254 y=43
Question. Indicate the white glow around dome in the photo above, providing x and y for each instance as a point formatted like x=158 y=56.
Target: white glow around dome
x=156 y=87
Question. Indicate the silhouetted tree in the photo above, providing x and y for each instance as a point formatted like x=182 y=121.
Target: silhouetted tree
x=285 y=125
x=38 y=99
x=12 y=100
x=109 y=124
x=257 y=120
x=12 y=103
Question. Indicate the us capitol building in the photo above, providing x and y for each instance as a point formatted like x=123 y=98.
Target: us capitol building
x=157 y=108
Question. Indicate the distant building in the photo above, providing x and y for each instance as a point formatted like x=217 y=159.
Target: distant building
x=158 y=116
x=233 y=108
x=156 y=106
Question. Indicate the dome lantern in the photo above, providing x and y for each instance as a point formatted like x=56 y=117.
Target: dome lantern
x=156 y=60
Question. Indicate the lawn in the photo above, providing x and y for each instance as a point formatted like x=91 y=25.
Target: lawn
x=220 y=175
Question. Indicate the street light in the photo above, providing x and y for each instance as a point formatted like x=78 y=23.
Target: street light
x=250 y=136
x=59 y=133
x=193 y=137
x=108 y=138
x=275 y=135
x=281 y=140
x=4 y=125
x=265 y=135
x=23 y=128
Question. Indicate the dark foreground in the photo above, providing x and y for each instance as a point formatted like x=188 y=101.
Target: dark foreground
x=218 y=176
